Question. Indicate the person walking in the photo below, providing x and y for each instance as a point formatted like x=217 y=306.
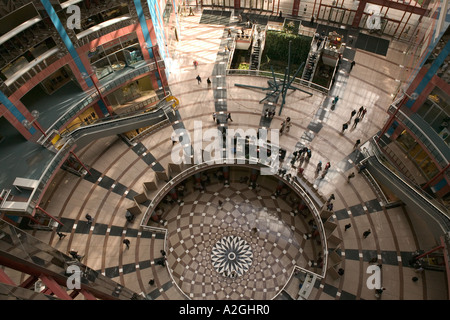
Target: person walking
x=311 y=22
x=352 y=114
x=195 y=64
x=199 y=79
x=347 y=226
x=283 y=126
x=330 y=206
x=208 y=81
x=335 y=100
x=229 y=32
x=366 y=233
x=214 y=116
x=61 y=235
x=229 y=117
x=352 y=64
x=350 y=176
x=288 y=124
x=363 y=113
x=360 y=111
x=344 y=127
x=356 y=144
x=89 y=218
x=355 y=122
x=127 y=243
x=331 y=198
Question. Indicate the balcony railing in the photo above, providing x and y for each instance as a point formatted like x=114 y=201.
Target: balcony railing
x=92 y=95
x=433 y=142
x=163 y=191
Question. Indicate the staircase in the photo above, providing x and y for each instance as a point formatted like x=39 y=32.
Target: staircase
x=257 y=46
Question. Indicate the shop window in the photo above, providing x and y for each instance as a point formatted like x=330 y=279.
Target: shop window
x=116 y=55
x=103 y=16
x=56 y=80
x=436 y=112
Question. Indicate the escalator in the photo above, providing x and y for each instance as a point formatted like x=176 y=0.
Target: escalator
x=436 y=217
x=120 y=124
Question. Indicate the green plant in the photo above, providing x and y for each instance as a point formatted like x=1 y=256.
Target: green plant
x=244 y=66
x=277 y=49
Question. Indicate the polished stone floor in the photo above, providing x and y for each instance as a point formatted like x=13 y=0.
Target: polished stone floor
x=196 y=227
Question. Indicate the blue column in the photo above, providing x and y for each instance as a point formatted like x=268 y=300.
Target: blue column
x=159 y=31
x=65 y=38
x=143 y=23
x=15 y=112
x=431 y=72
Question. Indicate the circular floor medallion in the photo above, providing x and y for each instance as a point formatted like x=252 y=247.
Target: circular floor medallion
x=232 y=256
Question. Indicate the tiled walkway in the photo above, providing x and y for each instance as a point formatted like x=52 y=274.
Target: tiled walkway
x=119 y=171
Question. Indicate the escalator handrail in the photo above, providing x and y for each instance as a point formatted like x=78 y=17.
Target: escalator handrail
x=405 y=183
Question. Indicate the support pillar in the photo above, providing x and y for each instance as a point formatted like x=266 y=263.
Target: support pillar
x=49 y=215
x=82 y=164
x=55 y=288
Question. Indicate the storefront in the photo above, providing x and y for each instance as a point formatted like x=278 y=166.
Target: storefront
x=417 y=154
x=116 y=55
x=132 y=93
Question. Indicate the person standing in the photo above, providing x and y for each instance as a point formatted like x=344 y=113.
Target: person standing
x=127 y=243
x=352 y=114
x=311 y=22
x=356 y=144
x=347 y=226
x=89 y=218
x=208 y=81
x=214 y=116
x=366 y=233
x=319 y=167
x=195 y=64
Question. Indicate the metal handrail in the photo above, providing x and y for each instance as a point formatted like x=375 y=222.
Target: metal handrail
x=406 y=117
x=92 y=95
x=377 y=154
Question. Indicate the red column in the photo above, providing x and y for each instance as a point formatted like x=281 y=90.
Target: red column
x=55 y=288
x=295 y=8
x=359 y=13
